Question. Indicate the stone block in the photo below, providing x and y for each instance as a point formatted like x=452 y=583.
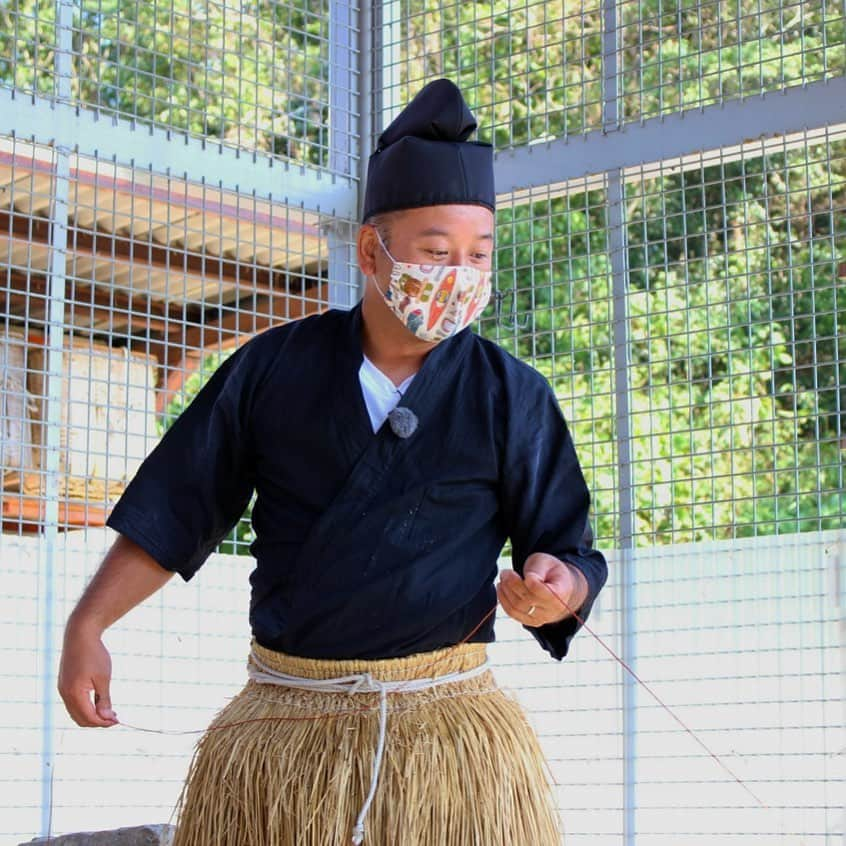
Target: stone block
x=141 y=835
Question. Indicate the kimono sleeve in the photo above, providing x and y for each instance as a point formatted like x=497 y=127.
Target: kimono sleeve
x=545 y=502
x=197 y=482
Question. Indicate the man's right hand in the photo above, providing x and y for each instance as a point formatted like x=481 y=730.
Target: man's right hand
x=127 y=576
x=86 y=669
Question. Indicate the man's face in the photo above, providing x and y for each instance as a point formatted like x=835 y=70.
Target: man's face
x=449 y=235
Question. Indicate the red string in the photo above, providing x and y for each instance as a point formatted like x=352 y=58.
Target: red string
x=657 y=698
x=444 y=657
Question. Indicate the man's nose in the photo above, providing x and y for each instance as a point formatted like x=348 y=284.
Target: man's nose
x=458 y=256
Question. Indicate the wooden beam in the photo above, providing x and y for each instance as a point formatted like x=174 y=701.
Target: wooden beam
x=108 y=247
x=26 y=296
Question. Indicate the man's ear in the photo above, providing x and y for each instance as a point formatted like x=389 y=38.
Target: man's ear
x=366 y=246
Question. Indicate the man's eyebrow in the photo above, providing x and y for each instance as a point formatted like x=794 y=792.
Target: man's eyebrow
x=434 y=230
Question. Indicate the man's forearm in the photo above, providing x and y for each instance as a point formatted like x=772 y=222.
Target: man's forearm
x=127 y=576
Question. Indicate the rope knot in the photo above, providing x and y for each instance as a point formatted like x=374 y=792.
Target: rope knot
x=365 y=682
x=358 y=835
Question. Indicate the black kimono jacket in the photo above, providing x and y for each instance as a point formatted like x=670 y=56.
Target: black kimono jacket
x=367 y=545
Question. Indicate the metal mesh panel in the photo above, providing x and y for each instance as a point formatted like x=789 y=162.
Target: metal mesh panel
x=255 y=77
x=27 y=40
x=679 y=56
x=163 y=272
x=534 y=71
x=737 y=384
x=176 y=660
x=530 y=71
x=741 y=640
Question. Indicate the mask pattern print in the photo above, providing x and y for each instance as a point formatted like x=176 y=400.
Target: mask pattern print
x=436 y=301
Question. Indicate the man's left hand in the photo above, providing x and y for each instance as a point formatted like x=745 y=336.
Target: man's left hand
x=529 y=601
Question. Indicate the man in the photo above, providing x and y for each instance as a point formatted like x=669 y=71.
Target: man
x=393 y=452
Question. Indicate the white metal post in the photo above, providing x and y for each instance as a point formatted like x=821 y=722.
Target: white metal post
x=365 y=94
x=388 y=57
x=57 y=269
x=343 y=88
x=625 y=487
x=617 y=245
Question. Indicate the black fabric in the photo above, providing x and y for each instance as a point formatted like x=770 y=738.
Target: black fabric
x=367 y=545
x=424 y=158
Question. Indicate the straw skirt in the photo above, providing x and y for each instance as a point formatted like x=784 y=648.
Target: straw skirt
x=287 y=767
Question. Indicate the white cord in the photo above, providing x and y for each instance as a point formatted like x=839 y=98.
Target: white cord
x=358 y=829
x=360 y=683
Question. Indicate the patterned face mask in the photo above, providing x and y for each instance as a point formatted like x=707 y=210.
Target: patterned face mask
x=434 y=301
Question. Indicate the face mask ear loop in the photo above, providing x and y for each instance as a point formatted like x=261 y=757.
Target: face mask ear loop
x=382 y=245
x=373 y=280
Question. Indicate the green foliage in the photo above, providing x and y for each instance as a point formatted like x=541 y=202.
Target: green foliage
x=27 y=36
x=256 y=73
x=252 y=74
x=733 y=314
x=533 y=71
x=680 y=55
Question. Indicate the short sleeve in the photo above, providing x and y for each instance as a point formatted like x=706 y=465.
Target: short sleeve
x=545 y=502
x=196 y=483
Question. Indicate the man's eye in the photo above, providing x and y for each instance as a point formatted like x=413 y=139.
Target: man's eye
x=438 y=253
x=481 y=256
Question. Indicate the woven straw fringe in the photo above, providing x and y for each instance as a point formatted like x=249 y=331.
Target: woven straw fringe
x=462 y=766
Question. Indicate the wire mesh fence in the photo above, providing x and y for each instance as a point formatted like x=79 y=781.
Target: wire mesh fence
x=687 y=310
x=531 y=70
x=678 y=56
x=251 y=76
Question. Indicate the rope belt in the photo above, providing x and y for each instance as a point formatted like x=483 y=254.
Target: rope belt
x=360 y=683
